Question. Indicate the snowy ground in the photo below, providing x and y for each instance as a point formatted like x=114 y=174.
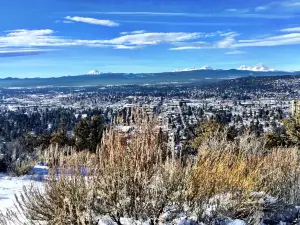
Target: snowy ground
x=9 y=186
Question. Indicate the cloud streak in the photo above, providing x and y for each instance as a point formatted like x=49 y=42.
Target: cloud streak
x=20 y=52
x=284 y=5
x=46 y=38
x=28 y=39
x=134 y=32
x=293 y=29
x=235 y=52
x=287 y=39
x=227 y=14
x=94 y=21
x=187 y=23
x=231 y=42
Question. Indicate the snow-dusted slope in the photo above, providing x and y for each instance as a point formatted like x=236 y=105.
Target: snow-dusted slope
x=206 y=68
x=9 y=186
x=93 y=72
x=193 y=69
x=244 y=68
x=257 y=68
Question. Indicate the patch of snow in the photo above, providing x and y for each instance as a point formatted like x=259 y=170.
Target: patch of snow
x=94 y=72
x=237 y=222
x=9 y=186
x=206 y=68
x=264 y=198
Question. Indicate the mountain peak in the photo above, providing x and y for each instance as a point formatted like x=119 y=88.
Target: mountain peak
x=194 y=68
x=93 y=72
x=206 y=68
x=257 y=68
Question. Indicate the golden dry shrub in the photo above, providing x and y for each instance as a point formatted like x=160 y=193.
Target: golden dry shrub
x=129 y=176
x=132 y=176
x=234 y=171
x=280 y=174
x=138 y=179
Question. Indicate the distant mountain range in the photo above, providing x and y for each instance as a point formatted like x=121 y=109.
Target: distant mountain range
x=256 y=68
x=260 y=68
x=193 y=69
x=95 y=78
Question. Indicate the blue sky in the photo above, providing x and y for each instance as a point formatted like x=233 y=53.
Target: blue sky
x=47 y=38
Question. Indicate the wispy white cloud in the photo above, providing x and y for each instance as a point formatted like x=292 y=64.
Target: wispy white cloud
x=47 y=38
x=24 y=32
x=134 y=32
x=232 y=42
x=234 y=10
x=94 y=21
x=287 y=39
x=67 y=21
x=21 y=52
x=229 y=34
x=63 y=21
x=152 y=38
x=293 y=29
x=186 y=48
x=229 y=14
x=178 y=23
x=235 y=52
x=226 y=43
x=29 y=39
x=126 y=47
x=284 y=5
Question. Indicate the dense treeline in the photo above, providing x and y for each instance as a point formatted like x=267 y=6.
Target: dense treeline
x=14 y=124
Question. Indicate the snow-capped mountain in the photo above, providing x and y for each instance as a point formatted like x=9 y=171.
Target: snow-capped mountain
x=93 y=72
x=193 y=69
x=257 y=68
x=262 y=68
x=206 y=68
x=244 y=68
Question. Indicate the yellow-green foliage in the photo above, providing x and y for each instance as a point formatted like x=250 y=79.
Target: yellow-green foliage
x=21 y=168
x=221 y=172
x=292 y=127
x=207 y=129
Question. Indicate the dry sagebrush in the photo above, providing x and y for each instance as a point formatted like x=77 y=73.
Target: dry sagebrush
x=233 y=172
x=133 y=176
x=138 y=180
x=129 y=176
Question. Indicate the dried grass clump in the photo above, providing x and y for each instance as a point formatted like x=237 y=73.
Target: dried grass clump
x=280 y=174
x=138 y=179
x=227 y=176
x=132 y=176
x=129 y=176
x=231 y=171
